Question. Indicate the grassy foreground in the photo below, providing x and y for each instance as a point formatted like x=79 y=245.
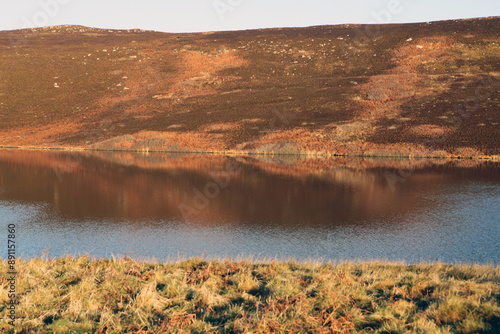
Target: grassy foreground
x=83 y=295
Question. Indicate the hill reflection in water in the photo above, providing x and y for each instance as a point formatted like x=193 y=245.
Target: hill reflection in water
x=103 y=202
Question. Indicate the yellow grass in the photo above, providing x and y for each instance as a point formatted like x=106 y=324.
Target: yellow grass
x=84 y=295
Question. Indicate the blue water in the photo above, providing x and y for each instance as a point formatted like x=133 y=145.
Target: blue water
x=107 y=207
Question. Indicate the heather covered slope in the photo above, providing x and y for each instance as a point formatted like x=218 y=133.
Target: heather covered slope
x=417 y=89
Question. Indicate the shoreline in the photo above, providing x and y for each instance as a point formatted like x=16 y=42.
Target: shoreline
x=308 y=154
x=249 y=259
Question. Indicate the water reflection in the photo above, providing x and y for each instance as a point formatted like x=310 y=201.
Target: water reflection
x=161 y=205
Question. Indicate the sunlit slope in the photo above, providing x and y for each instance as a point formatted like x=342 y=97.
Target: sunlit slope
x=414 y=89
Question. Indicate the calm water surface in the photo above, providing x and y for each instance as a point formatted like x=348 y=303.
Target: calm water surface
x=163 y=206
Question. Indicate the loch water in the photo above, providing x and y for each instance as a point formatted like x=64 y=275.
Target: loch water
x=166 y=206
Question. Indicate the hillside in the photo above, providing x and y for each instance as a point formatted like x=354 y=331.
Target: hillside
x=429 y=89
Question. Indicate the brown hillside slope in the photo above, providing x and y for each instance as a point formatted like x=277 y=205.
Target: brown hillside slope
x=428 y=89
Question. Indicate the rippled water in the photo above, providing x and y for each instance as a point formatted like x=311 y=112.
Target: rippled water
x=163 y=206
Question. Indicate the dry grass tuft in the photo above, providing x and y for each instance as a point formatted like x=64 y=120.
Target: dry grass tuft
x=83 y=295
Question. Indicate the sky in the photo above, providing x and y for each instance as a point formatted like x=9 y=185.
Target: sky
x=218 y=15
